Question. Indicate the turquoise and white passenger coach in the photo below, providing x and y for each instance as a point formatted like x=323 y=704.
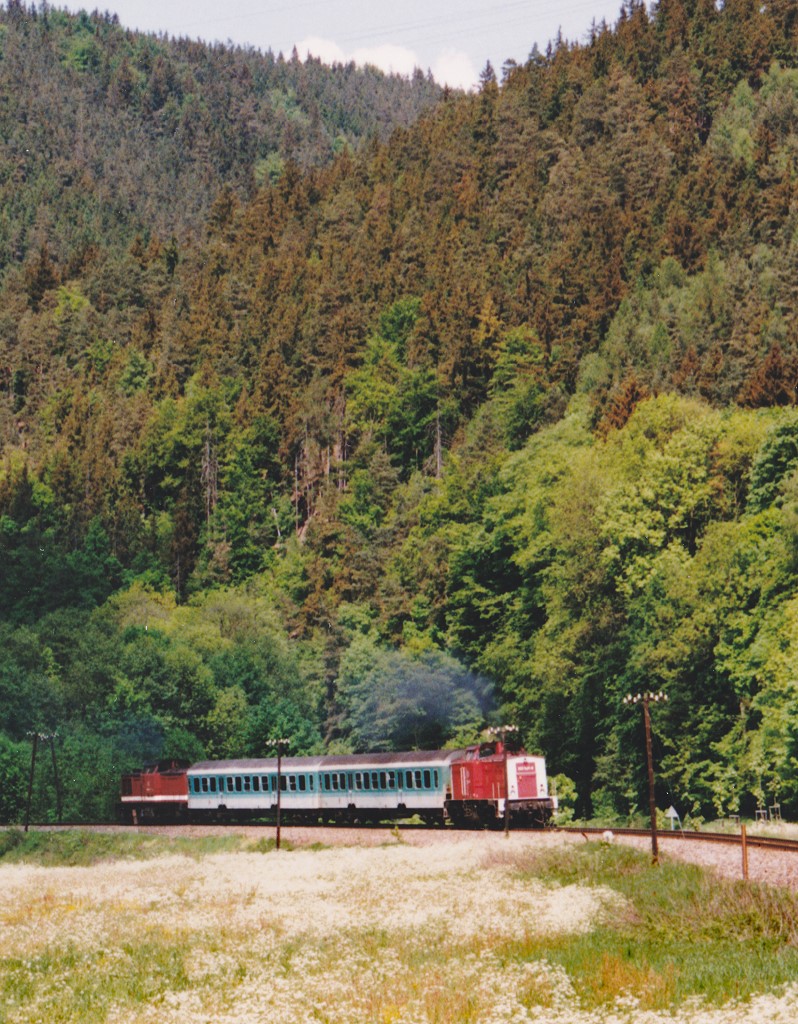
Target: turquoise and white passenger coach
x=353 y=787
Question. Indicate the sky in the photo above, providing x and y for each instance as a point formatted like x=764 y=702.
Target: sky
x=452 y=38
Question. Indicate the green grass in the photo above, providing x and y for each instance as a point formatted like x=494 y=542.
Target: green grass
x=79 y=848
x=683 y=932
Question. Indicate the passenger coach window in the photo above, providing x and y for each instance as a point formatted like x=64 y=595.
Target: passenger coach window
x=247 y=783
x=418 y=779
x=238 y=783
x=256 y=783
x=408 y=780
x=383 y=780
x=303 y=783
x=283 y=783
x=292 y=783
x=427 y=778
x=230 y=784
x=213 y=783
x=391 y=780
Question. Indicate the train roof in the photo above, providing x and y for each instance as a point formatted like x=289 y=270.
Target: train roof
x=332 y=762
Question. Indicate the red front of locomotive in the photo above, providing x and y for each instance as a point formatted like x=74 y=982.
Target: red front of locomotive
x=157 y=792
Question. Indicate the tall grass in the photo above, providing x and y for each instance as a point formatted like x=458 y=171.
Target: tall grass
x=80 y=848
x=683 y=932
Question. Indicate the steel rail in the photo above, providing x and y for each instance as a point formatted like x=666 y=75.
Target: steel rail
x=731 y=839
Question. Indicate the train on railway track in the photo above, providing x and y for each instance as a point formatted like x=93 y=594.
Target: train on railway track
x=480 y=786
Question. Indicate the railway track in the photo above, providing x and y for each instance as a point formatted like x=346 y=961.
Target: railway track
x=728 y=838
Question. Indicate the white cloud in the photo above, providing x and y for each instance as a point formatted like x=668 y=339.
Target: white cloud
x=325 y=49
x=455 y=69
x=452 y=67
x=395 y=60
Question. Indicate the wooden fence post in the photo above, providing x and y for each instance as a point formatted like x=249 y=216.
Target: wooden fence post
x=744 y=844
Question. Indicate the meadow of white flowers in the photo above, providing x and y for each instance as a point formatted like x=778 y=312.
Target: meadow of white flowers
x=394 y=934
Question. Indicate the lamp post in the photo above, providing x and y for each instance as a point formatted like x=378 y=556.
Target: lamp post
x=501 y=731
x=645 y=699
x=44 y=738
x=281 y=745
x=35 y=738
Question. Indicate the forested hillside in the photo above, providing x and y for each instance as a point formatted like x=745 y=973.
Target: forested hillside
x=106 y=134
x=492 y=417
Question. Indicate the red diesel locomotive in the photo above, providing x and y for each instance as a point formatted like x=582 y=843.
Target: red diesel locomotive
x=475 y=787
x=157 y=793
x=487 y=775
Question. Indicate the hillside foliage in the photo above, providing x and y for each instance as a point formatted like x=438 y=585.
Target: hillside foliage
x=371 y=438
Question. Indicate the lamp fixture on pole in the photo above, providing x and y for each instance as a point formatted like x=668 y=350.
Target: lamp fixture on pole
x=645 y=699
